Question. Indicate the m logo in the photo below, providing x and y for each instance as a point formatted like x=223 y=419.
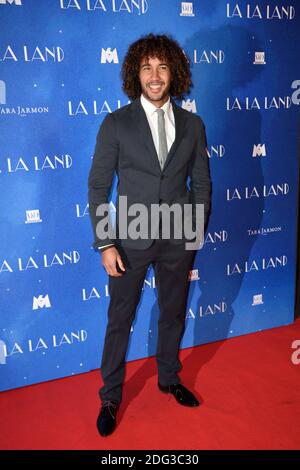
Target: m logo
x=259 y=150
x=41 y=302
x=2 y=91
x=108 y=55
x=189 y=105
x=16 y=2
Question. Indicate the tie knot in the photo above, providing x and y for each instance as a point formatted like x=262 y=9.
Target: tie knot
x=160 y=112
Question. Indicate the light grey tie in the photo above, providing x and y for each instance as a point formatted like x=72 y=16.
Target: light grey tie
x=162 y=138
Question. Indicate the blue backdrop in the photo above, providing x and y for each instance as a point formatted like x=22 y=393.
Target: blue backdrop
x=60 y=66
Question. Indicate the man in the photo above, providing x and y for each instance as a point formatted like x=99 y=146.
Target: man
x=154 y=146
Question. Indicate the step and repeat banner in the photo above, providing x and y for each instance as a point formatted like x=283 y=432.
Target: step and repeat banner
x=60 y=63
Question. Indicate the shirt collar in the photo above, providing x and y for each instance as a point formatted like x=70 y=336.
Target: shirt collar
x=151 y=108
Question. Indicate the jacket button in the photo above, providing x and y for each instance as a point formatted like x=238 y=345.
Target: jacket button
x=162 y=177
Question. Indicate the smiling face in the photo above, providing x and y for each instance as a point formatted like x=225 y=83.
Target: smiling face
x=155 y=79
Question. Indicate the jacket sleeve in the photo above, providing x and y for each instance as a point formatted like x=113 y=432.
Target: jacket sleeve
x=101 y=174
x=200 y=181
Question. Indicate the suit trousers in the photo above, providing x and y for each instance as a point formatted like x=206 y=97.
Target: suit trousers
x=171 y=263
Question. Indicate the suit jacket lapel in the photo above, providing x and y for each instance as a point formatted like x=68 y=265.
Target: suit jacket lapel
x=143 y=128
x=180 y=121
x=141 y=122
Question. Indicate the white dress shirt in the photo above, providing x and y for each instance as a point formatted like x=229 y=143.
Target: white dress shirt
x=152 y=117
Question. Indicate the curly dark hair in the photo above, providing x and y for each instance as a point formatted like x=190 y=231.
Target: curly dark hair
x=164 y=48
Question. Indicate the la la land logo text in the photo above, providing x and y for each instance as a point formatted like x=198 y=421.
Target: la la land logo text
x=92 y=108
x=116 y=6
x=44 y=261
x=39 y=344
x=254 y=192
x=257 y=265
x=269 y=12
x=38 y=163
x=248 y=104
x=46 y=54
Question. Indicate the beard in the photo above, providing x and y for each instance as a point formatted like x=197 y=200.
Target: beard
x=152 y=96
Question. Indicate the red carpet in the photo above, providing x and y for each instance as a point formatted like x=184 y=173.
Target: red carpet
x=248 y=385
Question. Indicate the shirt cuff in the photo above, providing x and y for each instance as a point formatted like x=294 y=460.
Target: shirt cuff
x=100 y=248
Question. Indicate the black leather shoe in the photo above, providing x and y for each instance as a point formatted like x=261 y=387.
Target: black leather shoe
x=181 y=393
x=106 y=421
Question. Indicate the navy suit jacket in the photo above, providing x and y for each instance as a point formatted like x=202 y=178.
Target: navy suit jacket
x=125 y=146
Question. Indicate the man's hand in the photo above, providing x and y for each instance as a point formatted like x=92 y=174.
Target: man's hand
x=111 y=260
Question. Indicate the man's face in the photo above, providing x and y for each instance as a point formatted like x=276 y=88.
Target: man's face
x=155 y=79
